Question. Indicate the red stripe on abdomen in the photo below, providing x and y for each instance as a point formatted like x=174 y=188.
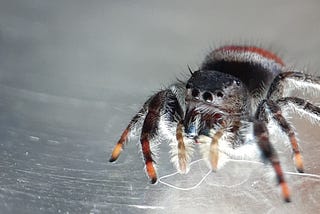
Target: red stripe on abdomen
x=262 y=52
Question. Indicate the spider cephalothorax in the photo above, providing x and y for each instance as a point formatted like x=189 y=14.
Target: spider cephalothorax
x=225 y=107
x=212 y=95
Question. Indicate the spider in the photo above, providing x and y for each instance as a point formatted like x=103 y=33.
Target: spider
x=226 y=107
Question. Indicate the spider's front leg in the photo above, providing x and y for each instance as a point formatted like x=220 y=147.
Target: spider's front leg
x=163 y=105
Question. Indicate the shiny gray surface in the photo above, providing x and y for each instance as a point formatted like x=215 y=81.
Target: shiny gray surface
x=72 y=73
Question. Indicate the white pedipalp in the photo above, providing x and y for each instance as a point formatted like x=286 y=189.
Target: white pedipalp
x=205 y=151
x=248 y=150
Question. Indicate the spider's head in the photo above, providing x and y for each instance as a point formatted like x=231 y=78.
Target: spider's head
x=210 y=96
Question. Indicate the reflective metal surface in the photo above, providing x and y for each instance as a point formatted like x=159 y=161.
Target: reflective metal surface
x=72 y=73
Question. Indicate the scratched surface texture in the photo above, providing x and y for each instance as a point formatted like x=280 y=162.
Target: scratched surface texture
x=73 y=73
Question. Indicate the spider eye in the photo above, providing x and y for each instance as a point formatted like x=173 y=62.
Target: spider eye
x=219 y=94
x=195 y=93
x=237 y=82
x=207 y=96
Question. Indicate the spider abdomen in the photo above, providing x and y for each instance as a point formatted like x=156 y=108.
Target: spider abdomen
x=255 y=67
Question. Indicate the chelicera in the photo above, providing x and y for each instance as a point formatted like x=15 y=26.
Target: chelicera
x=226 y=108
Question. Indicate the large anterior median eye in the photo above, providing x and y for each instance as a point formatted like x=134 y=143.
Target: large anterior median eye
x=207 y=96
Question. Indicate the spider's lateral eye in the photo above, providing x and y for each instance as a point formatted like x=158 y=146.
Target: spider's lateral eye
x=219 y=94
x=195 y=93
x=207 y=96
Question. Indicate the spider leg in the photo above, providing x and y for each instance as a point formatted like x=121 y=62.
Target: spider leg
x=298 y=79
x=262 y=136
x=301 y=105
x=287 y=129
x=125 y=135
x=163 y=103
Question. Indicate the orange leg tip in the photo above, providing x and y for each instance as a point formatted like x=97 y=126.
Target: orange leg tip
x=115 y=153
x=299 y=163
x=288 y=200
x=151 y=172
x=300 y=169
x=153 y=180
x=112 y=159
x=285 y=192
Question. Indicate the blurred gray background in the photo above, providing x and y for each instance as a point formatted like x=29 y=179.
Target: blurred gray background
x=73 y=72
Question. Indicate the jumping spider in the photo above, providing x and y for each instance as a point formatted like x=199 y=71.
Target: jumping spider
x=226 y=107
